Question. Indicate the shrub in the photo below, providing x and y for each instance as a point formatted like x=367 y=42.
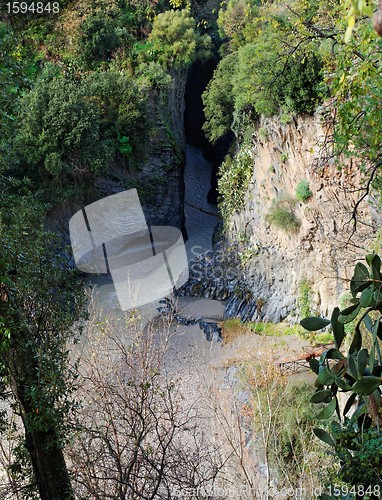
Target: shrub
x=235 y=176
x=303 y=192
x=304 y=298
x=264 y=78
x=283 y=422
x=233 y=20
x=98 y=39
x=175 y=40
x=59 y=133
x=263 y=133
x=281 y=214
x=284 y=157
x=218 y=100
x=71 y=129
x=361 y=467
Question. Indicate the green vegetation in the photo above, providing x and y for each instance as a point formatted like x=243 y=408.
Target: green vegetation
x=295 y=422
x=303 y=192
x=263 y=133
x=284 y=157
x=358 y=373
x=72 y=129
x=98 y=39
x=70 y=120
x=218 y=105
x=283 y=420
x=235 y=176
x=281 y=214
x=174 y=39
x=304 y=309
x=269 y=64
x=275 y=329
x=234 y=327
x=40 y=299
x=304 y=298
x=247 y=254
x=288 y=60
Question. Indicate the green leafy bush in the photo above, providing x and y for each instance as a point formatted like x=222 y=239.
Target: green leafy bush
x=284 y=157
x=235 y=176
x=152 y=75
x=176 y=42
x=234 y=18
x=281 y=214
x=59 y=131
x=363 y=465
x=17 y=70
x=218 y=100
x=71 y=129
x=98 y=39
x=304 y=298
x=271 y=70
x=263 y=133
x=303 y=192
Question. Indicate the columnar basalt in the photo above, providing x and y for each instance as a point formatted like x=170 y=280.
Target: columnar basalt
x=317 y=251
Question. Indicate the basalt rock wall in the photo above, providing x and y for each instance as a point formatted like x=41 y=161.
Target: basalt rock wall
x=159 y=177
x=279 y=268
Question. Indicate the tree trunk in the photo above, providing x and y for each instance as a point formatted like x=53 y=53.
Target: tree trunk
x=44 y=448
x=49 y=466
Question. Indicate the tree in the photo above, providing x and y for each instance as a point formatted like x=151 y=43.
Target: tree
x=362 y=8
x=138 y=437
x=59 y=137
x=40 y=299
x=218 y=100
x=272 y=64
x=233 y=20
x=98 y=39
x=175 y=40
x=16 y=74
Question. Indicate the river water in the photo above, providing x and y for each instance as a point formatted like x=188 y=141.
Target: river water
x=201 y=216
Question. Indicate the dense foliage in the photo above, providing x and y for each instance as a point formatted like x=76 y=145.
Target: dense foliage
x=71 y=129
x=281 y=213
x=355 y=437
x=270 y=64
x=303 y=192
x=92 y=74
x=40 y=299
x=174 y=40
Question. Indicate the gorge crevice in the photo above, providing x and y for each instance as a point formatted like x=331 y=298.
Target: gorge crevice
x=264 y=270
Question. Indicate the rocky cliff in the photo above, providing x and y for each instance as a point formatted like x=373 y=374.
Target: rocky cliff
x=271 y=270
x=159 y=177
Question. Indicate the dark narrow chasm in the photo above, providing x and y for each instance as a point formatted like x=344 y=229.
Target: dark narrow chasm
x=199 y=76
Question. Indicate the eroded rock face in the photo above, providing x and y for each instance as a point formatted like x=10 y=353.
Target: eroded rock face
x=159 y=178
x=319 y=254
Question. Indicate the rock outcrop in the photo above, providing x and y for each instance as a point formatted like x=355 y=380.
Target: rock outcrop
x=159 y=179
x=275 y=266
